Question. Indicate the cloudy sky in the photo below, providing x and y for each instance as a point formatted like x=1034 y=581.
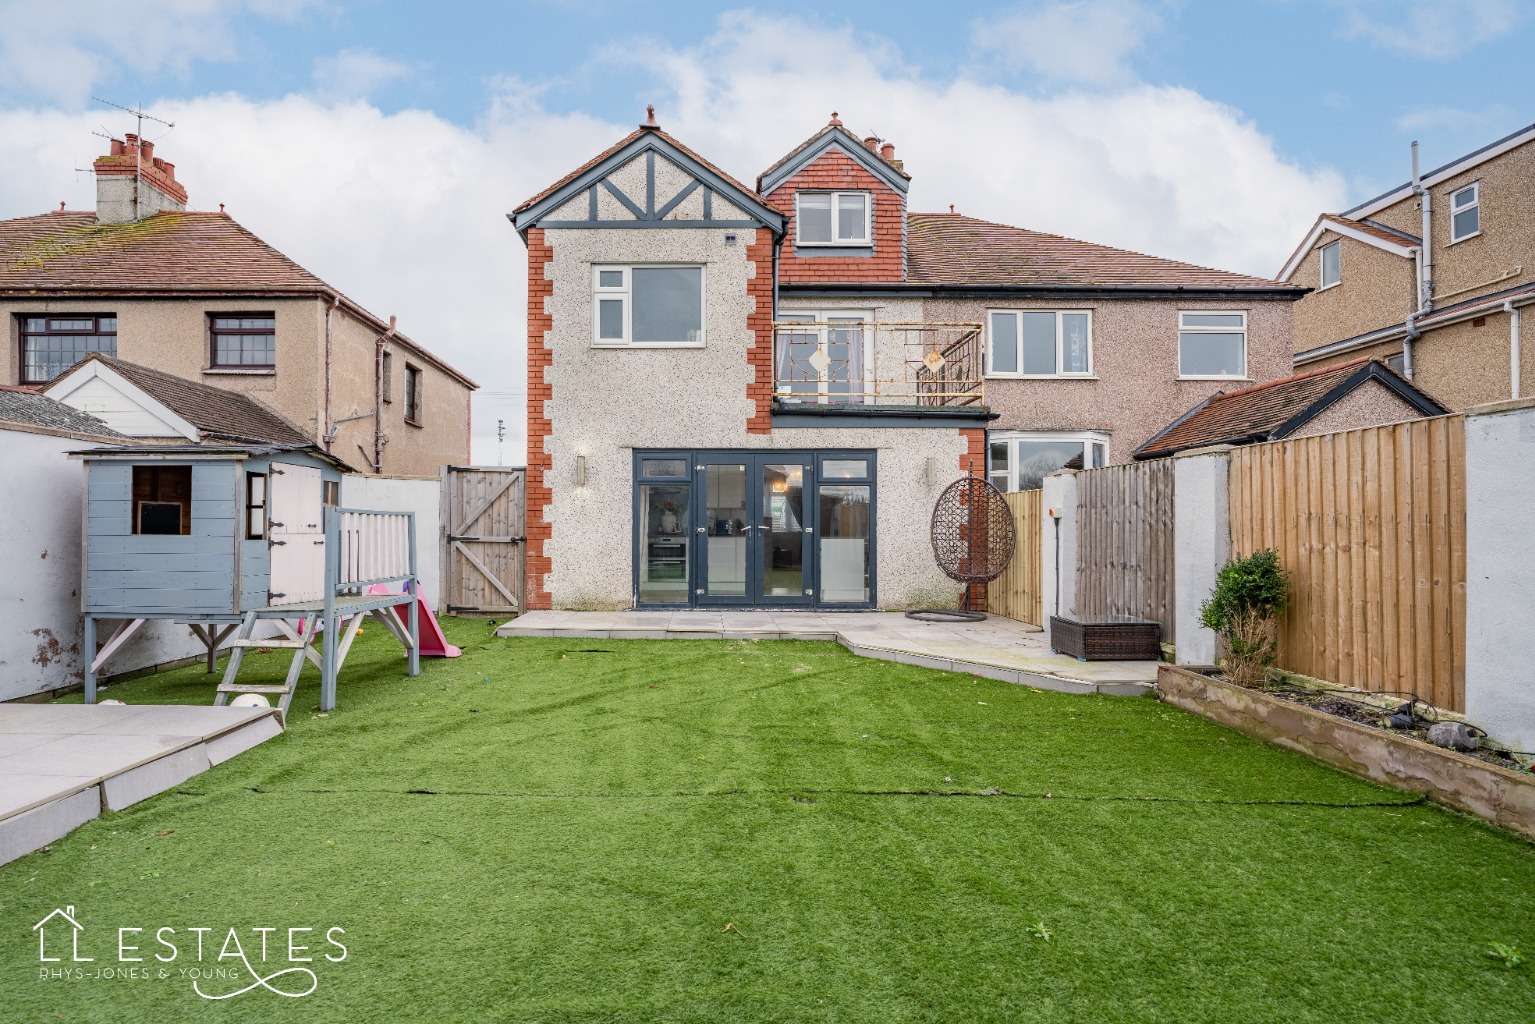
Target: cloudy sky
x=381 y=144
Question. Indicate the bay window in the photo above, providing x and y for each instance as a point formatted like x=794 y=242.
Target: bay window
x=1019 y=460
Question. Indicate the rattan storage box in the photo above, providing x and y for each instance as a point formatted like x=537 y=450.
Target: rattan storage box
x=1106 y=638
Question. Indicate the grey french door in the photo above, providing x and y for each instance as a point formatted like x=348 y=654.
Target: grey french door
x=753 y=530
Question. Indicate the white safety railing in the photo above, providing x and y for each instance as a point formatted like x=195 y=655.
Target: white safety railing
x=370 y=547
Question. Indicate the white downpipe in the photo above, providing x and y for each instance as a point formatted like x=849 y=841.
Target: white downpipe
x=1424 y=258
x=1513 y=347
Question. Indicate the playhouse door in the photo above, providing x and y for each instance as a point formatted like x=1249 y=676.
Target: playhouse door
x=297 y=534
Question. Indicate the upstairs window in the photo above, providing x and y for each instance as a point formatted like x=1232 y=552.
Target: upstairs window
x=412 y=394
x=832 y=218
x=1466 y=212
x=52 y=344
x=1212 y=346
x=648 y=305
x=244 y=341
x=1040 y=343
x=1332 y=267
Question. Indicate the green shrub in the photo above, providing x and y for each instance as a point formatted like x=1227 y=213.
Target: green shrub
x=1250 y=594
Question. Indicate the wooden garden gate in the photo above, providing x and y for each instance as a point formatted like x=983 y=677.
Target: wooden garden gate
x=1125 y=542
x=484 y=539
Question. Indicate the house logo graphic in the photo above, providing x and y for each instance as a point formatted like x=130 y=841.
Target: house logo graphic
x=48 y=925
x=217 y=970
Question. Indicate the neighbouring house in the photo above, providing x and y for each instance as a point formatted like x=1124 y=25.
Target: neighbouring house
x=1362 y=393
x=41 y=502
x=1430 y=276
x=752 y=397
x=198 y=296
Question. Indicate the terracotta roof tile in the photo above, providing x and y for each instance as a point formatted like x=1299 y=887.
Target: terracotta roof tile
x=797 y=150
x=1258 y=413
x=949 y=248
x=171 y=253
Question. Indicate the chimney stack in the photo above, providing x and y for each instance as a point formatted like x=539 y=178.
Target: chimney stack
x=132 y=183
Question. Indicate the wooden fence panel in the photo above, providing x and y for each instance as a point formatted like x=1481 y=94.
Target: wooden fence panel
x=1371 y=526
x=1125 y=542
x=1016 y=593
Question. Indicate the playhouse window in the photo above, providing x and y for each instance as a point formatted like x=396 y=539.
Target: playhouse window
x=162 y=499
x=244 y=341
x=331 y=493
x=255 y=506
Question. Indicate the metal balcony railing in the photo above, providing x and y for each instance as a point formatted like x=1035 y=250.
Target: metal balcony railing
x=852 y=362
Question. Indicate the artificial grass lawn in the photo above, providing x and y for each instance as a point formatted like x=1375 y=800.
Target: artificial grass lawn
x=558 y=830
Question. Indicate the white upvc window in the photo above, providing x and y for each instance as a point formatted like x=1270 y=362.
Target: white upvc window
x=1212 y=344
x=1466 y=212
x=1039 y=343
x=832 y=218
x=1019 y=460
x=648 y=305
x=1332 y=264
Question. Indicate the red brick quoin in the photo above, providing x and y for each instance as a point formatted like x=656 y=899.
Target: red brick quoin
x=834 y=170
x=540 y=463
x=973 y=463
x=759 y=353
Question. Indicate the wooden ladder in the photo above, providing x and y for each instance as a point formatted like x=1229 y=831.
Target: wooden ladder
x=243 y=643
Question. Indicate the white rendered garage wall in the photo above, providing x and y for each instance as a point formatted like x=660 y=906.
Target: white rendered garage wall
x=608 y=402
x=41 y=627
x=423 y=496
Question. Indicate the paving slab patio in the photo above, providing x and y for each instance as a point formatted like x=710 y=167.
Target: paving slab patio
x=997 y=648
x=61 y=764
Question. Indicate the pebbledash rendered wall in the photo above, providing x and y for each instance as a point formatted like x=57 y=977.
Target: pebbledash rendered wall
x=606 y=402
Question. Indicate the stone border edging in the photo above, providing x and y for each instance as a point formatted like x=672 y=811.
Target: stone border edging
x=1503 y=797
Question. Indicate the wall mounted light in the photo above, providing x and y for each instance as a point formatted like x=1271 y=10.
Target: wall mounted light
x=580 y=470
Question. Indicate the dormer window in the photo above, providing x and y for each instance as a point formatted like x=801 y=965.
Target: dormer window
x=832 y=218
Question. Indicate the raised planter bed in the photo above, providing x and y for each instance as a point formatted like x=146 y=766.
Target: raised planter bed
x=1501 y=796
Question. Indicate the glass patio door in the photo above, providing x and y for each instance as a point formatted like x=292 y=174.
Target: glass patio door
x=824 y=364
x=754 y=539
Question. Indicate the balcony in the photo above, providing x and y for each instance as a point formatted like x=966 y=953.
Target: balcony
x=842 y=366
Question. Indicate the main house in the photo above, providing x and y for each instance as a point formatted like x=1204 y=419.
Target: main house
x=1430 y=276
x=753 y=396
x=197 y=295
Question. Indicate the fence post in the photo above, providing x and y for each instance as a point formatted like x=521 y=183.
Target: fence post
x=1201 y=545
x=1500 y=580
x=1058 y=545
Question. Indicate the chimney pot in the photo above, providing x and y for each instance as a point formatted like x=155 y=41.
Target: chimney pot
x=117 y=147
x=872 y=143
x=168 y=168
x=148 y=150
x=887 y=151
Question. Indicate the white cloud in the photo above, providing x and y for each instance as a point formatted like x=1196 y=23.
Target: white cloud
x=1454 y=119
x=1086 y=41
x=355 y=74
x=1154 y=169
x=1432 y=29
x=60 y=51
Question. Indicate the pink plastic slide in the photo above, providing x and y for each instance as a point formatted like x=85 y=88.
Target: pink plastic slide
x=433 y=643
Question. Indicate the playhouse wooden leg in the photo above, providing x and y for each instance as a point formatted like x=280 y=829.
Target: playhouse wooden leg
x=415 y=626
x=328 y=664
x=90 y=658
